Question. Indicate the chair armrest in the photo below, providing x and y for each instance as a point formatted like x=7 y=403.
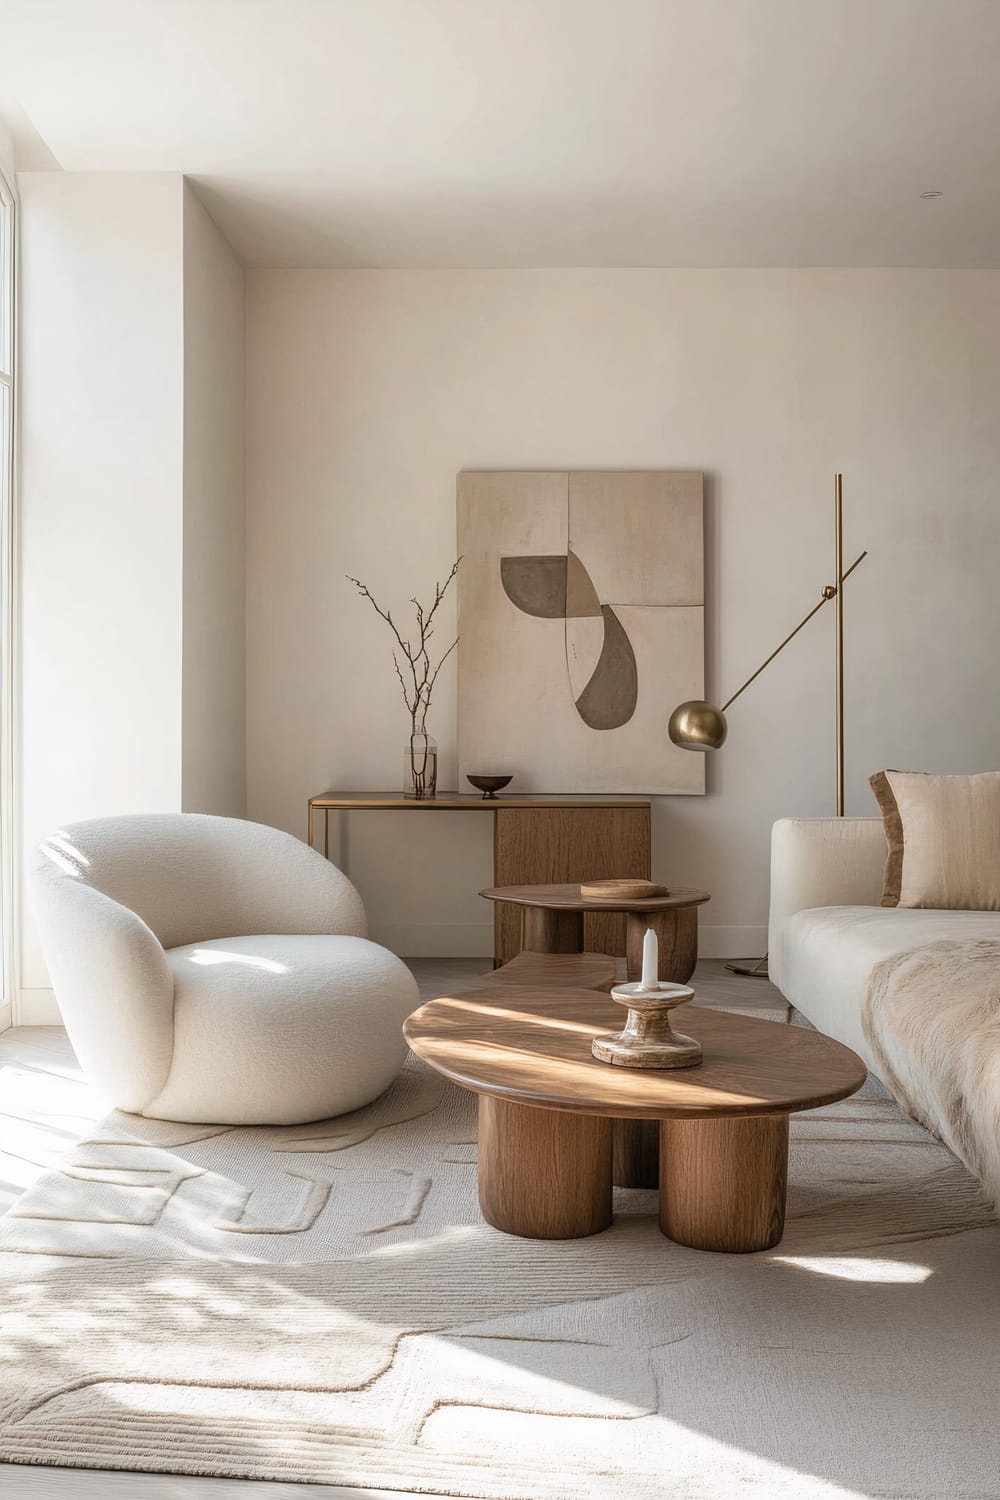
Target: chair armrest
x=112 y=981
x=821 y=862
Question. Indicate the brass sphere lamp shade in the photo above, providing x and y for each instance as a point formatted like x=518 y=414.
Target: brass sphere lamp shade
x=697 y=725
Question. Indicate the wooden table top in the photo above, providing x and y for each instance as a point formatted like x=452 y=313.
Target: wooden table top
x=462 y=801
x=568 y=898
x=532 y=1046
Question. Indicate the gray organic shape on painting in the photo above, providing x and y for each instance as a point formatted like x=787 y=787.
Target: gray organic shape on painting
x=581 y=596
x=560 y=588
x=609 y=699
x=537 y=585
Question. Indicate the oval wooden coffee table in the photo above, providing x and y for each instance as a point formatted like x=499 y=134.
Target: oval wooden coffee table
x=552 y=922
x=547 y=1107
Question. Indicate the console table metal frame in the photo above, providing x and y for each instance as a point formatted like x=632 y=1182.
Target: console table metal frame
x=536 y=840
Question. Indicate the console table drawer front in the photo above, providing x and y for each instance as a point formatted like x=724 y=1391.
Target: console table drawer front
x=551 y=845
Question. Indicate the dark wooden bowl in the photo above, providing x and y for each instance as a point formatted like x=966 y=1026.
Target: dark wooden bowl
x=489 y=785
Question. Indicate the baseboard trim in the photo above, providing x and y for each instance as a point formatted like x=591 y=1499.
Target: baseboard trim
x=435 y=939
x=475 y=940
x=731 y=942
x=37 y=1008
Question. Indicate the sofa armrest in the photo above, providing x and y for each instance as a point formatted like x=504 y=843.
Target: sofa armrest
x=821 y=862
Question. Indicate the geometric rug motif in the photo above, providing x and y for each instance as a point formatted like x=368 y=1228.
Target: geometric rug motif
x=325 y=1303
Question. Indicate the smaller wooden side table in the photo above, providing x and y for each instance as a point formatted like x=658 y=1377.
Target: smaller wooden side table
x=552 y=922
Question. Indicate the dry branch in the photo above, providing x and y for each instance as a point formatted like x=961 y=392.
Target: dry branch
x=416 y=654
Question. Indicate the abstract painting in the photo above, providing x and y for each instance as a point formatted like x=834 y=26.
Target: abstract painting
x=581 y=626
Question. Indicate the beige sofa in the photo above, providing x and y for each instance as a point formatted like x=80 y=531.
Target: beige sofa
x=827 y=929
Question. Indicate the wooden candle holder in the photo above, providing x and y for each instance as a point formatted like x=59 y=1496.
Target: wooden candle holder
x=649 y=1041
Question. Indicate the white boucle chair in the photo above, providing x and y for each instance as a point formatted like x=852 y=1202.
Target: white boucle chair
x=216 y=971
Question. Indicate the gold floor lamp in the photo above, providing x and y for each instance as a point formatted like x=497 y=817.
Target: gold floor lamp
x=697 y=725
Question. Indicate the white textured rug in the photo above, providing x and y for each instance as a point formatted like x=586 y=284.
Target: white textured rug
x=325 y=1303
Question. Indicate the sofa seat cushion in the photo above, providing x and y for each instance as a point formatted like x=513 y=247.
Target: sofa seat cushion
x=279 y=1029
x=830 y=951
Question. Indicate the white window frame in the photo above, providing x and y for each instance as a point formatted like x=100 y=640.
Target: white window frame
x=8 y=610
x=7 y=201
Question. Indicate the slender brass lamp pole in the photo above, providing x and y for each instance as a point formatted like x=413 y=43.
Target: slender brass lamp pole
x=828 y=593
x=838 y=492
x=832 y=591
x=698 y=725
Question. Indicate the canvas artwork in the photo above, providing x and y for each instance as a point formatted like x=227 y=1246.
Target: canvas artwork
x=581 y=625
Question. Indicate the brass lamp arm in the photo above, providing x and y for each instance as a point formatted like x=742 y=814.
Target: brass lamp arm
x=830 y=592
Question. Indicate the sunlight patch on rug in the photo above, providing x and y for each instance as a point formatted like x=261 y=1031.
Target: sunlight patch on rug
x=325 y=1303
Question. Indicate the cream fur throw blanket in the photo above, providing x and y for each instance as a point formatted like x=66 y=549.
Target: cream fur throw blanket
x=932 y=1018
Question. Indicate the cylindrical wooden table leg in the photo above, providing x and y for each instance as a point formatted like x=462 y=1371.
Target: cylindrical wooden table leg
x=636 y=1154
x=677 y=937
x=545 y=931
x=723 y=1181
x=543 y=1173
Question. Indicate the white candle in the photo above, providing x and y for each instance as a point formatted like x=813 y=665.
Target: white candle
x=650 y=961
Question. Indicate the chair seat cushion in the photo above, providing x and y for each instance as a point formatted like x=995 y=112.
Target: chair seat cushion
x=280 y=1029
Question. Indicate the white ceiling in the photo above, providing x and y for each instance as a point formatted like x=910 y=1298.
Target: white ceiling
x=534 y=132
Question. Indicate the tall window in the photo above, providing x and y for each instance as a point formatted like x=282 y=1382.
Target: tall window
x=7 y=348
x=6 y=344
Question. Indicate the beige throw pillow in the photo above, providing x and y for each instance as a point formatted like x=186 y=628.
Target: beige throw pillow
x=943 y=837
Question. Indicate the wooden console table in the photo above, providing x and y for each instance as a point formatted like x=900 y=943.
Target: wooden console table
x=537 y=840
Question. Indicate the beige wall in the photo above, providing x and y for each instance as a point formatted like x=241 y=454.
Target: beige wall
x=100 y=514
x=131 y=513
x=367 y=391
x=214 y=696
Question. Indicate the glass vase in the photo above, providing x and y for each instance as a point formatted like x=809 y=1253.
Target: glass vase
x=420 y=759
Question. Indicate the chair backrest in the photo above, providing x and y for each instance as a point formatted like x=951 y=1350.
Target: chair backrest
x=192 y=877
